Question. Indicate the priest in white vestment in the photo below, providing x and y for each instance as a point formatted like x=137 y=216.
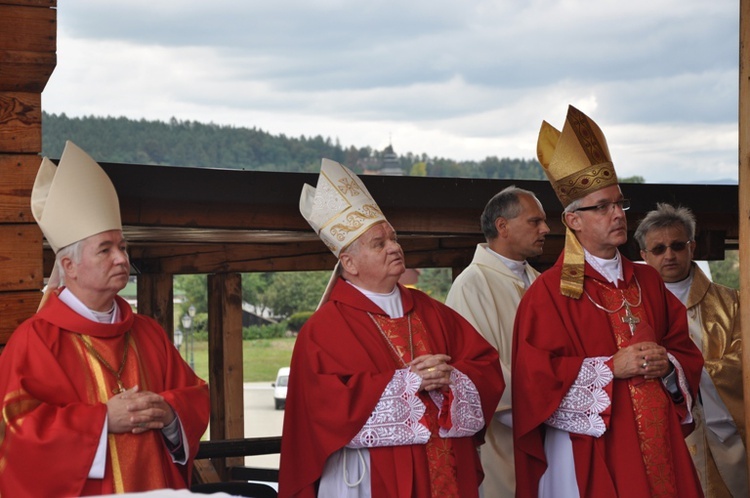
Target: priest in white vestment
x=487 y=294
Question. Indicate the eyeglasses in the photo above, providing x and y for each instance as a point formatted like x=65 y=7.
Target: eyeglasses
x=661 y=248
x=606 y=207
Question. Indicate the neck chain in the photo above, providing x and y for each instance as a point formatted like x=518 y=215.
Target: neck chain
x=388 y=340
x=117 y=373
x=629 y=317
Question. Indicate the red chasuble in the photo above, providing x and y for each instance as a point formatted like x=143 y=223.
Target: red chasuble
x=642 y=452
x=54 y=392
x=340 y=368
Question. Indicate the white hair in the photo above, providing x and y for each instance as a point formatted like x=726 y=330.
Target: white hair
x=73 y=251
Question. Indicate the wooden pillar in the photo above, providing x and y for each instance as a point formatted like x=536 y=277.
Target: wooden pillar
x=225 y=361
x=156 y=299
x=744 y=202
x=27 y=59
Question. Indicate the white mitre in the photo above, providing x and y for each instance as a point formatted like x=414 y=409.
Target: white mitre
x=74 y=200
x=340 y=208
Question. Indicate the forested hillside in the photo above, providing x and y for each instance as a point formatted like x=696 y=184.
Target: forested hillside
x=189 y=143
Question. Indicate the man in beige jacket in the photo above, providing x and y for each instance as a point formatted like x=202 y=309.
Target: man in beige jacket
x=487 y=294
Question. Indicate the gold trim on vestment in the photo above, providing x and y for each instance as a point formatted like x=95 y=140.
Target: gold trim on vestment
x=574 y=262
x=581 y=183
x=16 y=405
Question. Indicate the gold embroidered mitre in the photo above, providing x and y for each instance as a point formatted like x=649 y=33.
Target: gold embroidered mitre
x=73 y=200
x=577 y=163
x=340 y=208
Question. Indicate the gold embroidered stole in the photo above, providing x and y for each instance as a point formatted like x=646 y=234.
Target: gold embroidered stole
x=440 y=457
x=129 y=454
x=650 y=402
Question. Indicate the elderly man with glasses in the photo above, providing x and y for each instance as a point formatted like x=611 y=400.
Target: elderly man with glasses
x=666 y=237
x=603 y=370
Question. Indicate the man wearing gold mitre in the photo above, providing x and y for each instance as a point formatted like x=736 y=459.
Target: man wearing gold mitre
x=389 y=389
x=604 y=372
x=95 y=398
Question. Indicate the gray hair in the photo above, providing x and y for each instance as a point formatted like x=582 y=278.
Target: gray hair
x=505 y=204
x=573 y=205
x=73 y=251
x=665 y=216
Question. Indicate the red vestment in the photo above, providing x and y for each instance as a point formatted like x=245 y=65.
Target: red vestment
x=340 y=368
x=553 y=334
x=53 y=405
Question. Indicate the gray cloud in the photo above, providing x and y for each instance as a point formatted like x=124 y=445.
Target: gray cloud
x=477 y=75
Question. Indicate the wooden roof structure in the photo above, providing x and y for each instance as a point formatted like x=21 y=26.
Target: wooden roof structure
x=223 y=223
x=191 y=220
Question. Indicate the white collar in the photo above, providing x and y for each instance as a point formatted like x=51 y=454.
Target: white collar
x=111 y=316
x=517 y=267
x=681 y=289
x=611 y=269
x=390 y=303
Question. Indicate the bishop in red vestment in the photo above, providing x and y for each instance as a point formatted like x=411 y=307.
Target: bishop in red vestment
x=54 y=405
x=95 y=399
x=621 y=430
x=604 y=371
x=389 y=390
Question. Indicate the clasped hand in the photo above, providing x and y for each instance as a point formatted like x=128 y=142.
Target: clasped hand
x=644 y=358
x=138 y=412
x=433 y=369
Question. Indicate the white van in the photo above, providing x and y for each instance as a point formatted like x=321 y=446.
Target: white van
x=279 y=388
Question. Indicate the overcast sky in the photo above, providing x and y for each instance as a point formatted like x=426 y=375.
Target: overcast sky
x=462 y=79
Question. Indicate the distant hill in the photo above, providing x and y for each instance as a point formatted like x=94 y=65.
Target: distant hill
x=190 y=143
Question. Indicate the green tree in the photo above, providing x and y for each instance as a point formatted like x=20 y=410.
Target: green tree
x=291 y=292
x=194 y=144
x=418 y=169
x=632 y=179
x=727 y=271
x=254 y=287
x=194 y=288
x=436 y=282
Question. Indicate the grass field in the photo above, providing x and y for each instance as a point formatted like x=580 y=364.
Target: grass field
x=262 y=358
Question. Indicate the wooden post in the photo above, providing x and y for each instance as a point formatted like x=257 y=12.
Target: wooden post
x=156 y=299
x=225 y=362
x=744 y=202
x=27 y=59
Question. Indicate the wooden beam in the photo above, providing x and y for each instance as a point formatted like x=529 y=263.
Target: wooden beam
x=425 y=251
x=155 y=294
x=21 y=122
x=15 y=307
x=744 y=203
x=27 y=44
x=18 y=172
x=27 y=58
x=20 y=257
x=225 y=362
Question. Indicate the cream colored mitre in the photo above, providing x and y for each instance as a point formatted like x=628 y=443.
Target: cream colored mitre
x=340 y=208
x=73 y=200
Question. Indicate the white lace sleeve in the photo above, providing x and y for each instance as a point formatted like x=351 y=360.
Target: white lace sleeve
x=581 y=408
x=395 y=419
x=684 y=388
x=466 y=409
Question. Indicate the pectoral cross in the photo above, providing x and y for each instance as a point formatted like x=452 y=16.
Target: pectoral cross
x=120 y=387
x=630 y=319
